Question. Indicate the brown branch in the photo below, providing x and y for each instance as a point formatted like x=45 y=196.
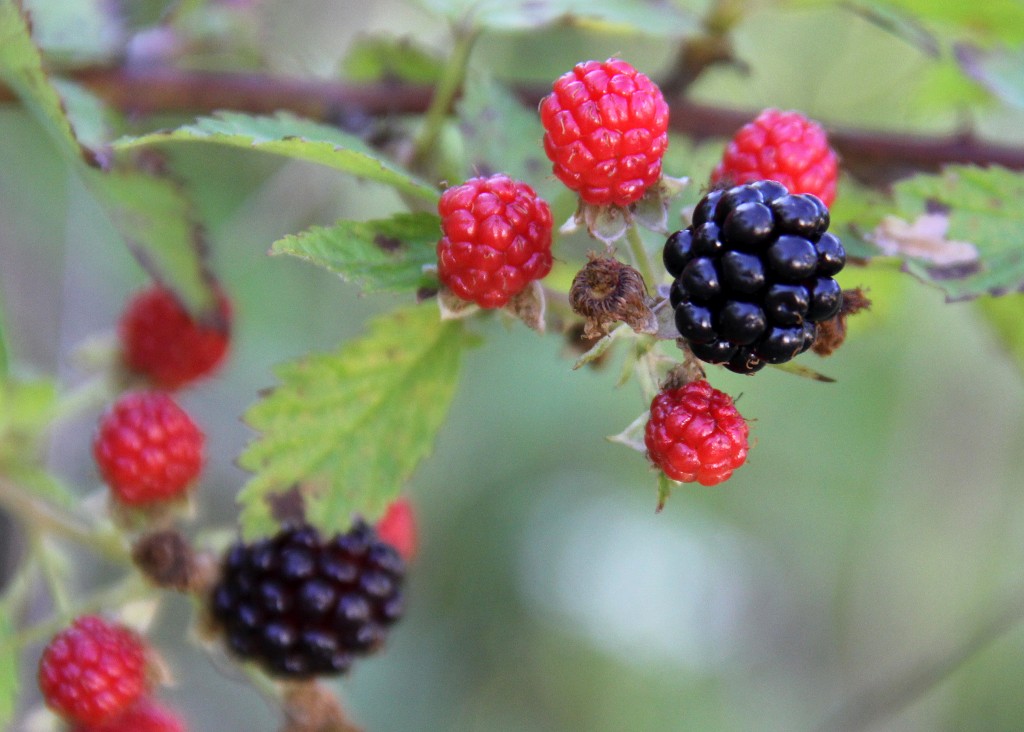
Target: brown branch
x=873 y=156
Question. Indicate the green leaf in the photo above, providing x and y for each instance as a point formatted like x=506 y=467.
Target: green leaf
x=295 y=138
x=650 y=17
x=151 y=211
x=21 y=68
x=90 y=118
x=345 y=430
x=385 y=254
x=387 y=59
x=495 y=126
x=981 y=208
x=157 y=222
x=1001 y=71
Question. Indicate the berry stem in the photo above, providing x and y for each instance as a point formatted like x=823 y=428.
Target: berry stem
x=444 y=94
x=132 y=588
x=40 y=515
x=52 y=575
x=88 y=395
x=641 y=259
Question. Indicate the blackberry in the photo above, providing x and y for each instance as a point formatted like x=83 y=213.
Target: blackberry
x=302 y=606
x=753 y=275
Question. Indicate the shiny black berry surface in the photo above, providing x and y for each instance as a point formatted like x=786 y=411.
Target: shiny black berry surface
x=753 y=275
x=304 y=606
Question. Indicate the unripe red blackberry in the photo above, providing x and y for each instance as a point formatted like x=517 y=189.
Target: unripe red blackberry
x=605 y=131
x=397 y=527
x=161 y=341
x=93 y=671
x=302 y=606
x=147 y=448
x=496 y=239
x=753 y=275
x=782 y=146
x=145 y=716
x=695 y=433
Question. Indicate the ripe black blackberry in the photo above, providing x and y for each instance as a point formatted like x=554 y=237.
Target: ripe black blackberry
x=303 y=606
x=753 y=275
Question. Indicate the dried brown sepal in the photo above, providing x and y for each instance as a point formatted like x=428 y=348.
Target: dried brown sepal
x=608 y=223
x=683 y=373
x=311 y=707
x=452 y=306
x=832 y=332
x=578 y=344
x=608 y=291
x=529 y=306
x=168 y=560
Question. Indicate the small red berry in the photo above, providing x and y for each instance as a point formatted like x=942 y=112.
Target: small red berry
x=147 y=448
x=497 y=239
x=397 y=527
x=161 y=340
x=145 y=716
x=605 y=130
x=785 y=147
x=695 y=433
x=93 y=670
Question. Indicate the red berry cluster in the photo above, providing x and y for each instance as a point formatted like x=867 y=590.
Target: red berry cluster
x=147 y=448
x=95 y=675
x=164 y=343
x=497 y=239
x=147 y=715
x=605 y=131
x=696 y=434
x=785 y=147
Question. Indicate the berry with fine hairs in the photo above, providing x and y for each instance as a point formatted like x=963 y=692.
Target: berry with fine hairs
x=397 y=527
x=146 y=715
x=496 y=239
x=782 y=146
x=302 y=606
x=753 y=275
x=163 y=342
x=147 y=448
x=605 y=131
x=93 y=671
x=695 y=433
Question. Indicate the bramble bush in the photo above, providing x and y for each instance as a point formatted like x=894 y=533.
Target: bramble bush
x=772 y=247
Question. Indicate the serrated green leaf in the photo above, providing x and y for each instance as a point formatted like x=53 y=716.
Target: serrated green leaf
x=1001 y=71
x=495 y=126
x=90 y=118
x=152 y=212
x=983 y=210
x=291 y=137
x=385 y=254
x=650 y=17
x=347 y=429
x=21 y=68
x=381 y=58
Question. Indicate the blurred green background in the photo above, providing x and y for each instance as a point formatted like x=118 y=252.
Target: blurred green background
x=874 y=538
